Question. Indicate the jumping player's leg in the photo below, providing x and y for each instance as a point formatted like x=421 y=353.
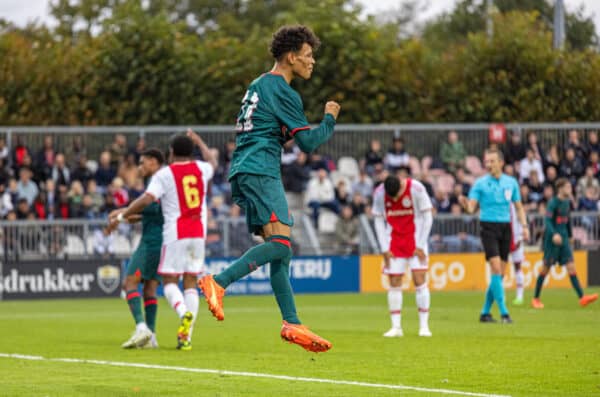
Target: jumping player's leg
x=423 y=299
x=173 y=294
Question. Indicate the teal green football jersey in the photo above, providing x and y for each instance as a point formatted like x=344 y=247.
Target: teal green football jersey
x=271 y=113
x=557 y=218
x=152 y=225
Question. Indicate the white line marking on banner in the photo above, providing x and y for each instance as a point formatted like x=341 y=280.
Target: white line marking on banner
x=249 y=375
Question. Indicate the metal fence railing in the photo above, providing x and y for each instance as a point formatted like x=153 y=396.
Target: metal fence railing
x=80 y=238
x=349 y=140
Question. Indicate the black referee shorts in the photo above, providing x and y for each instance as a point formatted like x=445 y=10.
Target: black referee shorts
x=496 y=238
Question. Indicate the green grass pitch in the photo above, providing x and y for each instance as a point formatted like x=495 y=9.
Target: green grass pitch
x=553 y=352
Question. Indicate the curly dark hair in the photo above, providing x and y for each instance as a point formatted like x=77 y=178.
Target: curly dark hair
x=291 y=38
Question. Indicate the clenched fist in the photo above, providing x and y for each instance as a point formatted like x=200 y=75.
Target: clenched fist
x=333 y=108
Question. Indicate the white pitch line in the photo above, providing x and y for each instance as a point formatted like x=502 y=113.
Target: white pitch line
x=249 y=375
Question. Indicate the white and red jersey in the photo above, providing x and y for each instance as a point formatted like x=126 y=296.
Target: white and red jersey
x=516 y=228
x=181 y=188
x=405 y=218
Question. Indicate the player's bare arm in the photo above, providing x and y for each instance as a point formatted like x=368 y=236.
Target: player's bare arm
x=207 y=154
x=470 y=206
x=134 y=208
x=522 y=219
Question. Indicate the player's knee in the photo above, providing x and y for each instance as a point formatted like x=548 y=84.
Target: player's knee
x=419 y=278
x=131 y=282
x=517 y=266
x=275 y=229
x=395 y=281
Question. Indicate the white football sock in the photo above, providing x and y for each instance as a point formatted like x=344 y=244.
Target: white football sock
x=190 y=297
x=141 y=326
x=423 y=299
x=395 y=306
x=520 y=281
x=175 y=299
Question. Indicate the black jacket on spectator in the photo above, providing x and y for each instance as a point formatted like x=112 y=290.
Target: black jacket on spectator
x=514 y=153
x=295 y=177
x=81 y=174
x=105 y=176
x=572 y=170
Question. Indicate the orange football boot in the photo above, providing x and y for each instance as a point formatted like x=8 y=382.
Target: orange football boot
x=213 y=293
x=587 y=299
x=302 y=336
x=536 y=303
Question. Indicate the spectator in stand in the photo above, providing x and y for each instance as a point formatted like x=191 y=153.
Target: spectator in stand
x=218 y=207
x=320 y=193
x=594 y=162
x=317 y=161
x=140 y=147
x=13 y=191
x=61 y=175
x=6 y=204
x=81 y=172
x=379 y=175
x=528 y=204
x=26 y=188
x=515 y=150
x=441 y=202
x=4 y=172
x=536 y=188
x=118 y=150
x=128 y=170
x=363 y=185
x=347 y=232
x=103 y=242
x=18 y=154
x=97 y=198
x=23 y=209
x=453 y=153
x=575 y=144
x=87 y=210
x=50 y=189
x=462 y=180
x=40 y=206
x=63 y=208
x=586 y=181
x=137 y=190
x=397 y=158
x=105 y=172
x=214 y=243
x=533 y=144
x=509 y=170
x=119 y=193
x=289 y=154
x=373 y=157
x=424 y=179
x=529 y=164
x=4 y=152
x=44 y=158
x=28 y=163
x=359 y=204
x=342 y=195
x=592 y=144
x=571 y=167
x=551 y=176
x=75 y=195
x=552 y=157
x=297 y=175
x=589 y=199
x=77 y=152
x=547 y=194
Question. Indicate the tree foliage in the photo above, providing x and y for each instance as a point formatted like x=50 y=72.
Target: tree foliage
x=157 y=62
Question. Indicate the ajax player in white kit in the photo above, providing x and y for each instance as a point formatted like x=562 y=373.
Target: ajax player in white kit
x=517 y=254
x=406 y=208
x=181 y=189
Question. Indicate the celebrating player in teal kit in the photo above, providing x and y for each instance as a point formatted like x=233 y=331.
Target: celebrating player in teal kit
x=271 y=114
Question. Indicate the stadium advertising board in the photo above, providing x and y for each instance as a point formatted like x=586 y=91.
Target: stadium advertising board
x=59 y=279
x=456 y=272
x=312 y=274
x=308 y=274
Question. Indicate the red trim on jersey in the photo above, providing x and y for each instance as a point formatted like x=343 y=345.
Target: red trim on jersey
x=132 y=295
x=282 y=241
x=150 y=302
x=273 y=217
x=189 y=223
x=573 y=274
x=296 y=130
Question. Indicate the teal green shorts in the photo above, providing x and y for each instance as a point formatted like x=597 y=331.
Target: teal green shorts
x=553 y=254
x=144 y=262
x=263 y=200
